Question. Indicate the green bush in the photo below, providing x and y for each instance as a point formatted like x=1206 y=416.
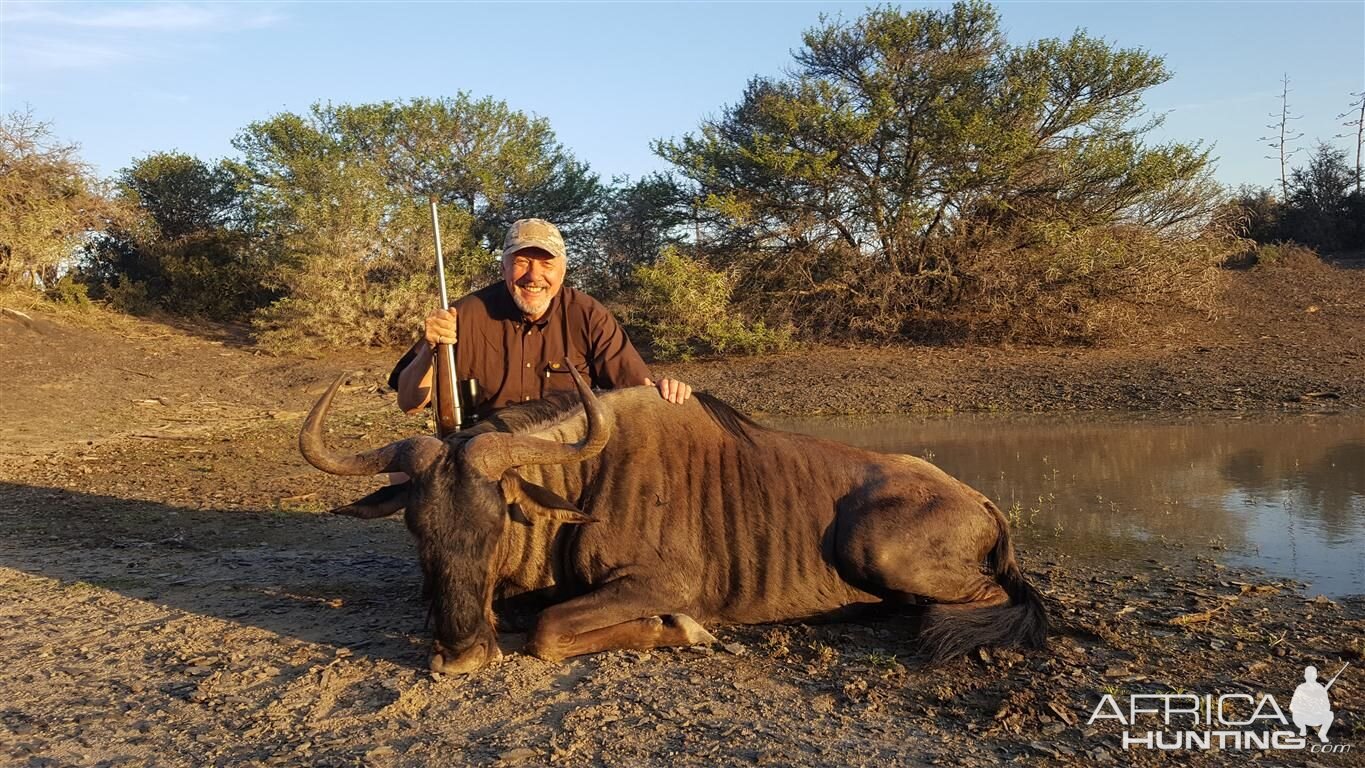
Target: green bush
x=70 y=293
x=853 y=195
x=682 y=308
x=130 y=296
x=327 y=308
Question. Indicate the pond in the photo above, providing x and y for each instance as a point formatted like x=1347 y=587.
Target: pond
x=1284 y=494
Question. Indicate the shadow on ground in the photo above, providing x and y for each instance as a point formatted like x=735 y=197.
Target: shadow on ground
x=321 y=579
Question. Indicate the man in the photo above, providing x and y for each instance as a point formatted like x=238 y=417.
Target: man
x=514 y=335
x=1311 y=705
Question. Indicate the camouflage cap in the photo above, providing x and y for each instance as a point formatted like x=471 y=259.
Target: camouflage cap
x=533 y=233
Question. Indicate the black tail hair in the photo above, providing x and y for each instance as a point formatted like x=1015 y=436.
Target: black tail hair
x=951 y=631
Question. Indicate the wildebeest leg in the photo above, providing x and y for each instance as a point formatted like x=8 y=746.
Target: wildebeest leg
x=673 y=629
x=621 y=614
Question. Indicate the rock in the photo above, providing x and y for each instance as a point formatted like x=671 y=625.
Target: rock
x=517 y=755
x=735 y=649
x=1038 y=746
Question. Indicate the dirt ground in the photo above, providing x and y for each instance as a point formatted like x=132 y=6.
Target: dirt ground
x=172 y=592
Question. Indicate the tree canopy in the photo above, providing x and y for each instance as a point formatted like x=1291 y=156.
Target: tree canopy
x=187 y=243
x=345 y=188
x=899 y=131
x=49 y=202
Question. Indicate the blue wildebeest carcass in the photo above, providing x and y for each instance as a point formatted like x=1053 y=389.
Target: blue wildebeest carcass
x=635 y=521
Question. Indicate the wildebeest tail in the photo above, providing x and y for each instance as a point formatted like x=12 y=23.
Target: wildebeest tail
x=953 y=630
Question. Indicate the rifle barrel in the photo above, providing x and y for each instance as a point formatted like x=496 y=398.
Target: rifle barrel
x=1334 y=677
x=440 y=258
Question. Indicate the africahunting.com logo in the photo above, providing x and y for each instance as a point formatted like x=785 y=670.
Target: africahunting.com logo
x=1181 y=721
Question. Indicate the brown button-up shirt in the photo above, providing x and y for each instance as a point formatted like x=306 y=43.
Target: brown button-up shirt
x=515 y=360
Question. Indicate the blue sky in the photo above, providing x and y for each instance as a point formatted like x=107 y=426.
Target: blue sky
x=127 y=79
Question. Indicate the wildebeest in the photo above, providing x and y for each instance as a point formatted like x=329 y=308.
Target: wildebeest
x=636 y=521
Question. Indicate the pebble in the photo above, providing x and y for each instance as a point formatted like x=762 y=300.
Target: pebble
x=1039 y=746
x=517 y=755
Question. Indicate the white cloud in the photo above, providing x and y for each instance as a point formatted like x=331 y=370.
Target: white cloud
x=142 y=16
x=52 y=53
x=41 y=37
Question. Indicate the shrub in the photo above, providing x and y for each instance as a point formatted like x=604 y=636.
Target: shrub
x=682 y=308
x=327 y=306
x=1087 y=286
x=70 y=293
x=49 y=201
x=130 y=296
x=185 y=243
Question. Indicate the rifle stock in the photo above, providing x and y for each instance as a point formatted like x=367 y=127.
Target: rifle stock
x=446 y=397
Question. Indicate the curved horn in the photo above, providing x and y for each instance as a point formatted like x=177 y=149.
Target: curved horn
x=493 y=453
x=390 y=458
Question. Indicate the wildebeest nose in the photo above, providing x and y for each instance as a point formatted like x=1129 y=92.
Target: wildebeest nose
x=476 y=656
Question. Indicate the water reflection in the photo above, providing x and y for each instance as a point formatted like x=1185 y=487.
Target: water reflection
x=1283 y=494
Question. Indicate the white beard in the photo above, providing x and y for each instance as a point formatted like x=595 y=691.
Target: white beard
x=532 y=307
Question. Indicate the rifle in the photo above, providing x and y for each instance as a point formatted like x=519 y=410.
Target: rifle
x=445 y=387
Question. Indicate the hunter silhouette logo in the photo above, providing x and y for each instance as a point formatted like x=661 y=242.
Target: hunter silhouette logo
x=1311 y=706
x=1225 y=721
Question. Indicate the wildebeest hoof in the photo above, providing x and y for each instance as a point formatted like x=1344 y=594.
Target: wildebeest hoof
x=692 y=632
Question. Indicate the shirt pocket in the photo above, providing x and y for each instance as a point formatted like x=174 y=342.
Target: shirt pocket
x=558 y=378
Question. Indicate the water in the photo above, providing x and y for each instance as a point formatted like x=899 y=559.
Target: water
x=1284 y=494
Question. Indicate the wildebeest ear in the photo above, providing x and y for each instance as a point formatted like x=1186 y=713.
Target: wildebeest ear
x=540 y=501
x=381 y=503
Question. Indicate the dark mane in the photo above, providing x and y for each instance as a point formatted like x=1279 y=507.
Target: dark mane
x=528 y=417
x=728 y=418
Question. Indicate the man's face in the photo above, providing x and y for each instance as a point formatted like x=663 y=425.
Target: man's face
x=533 y=277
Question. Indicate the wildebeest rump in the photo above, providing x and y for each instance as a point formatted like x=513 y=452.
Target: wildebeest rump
x=636 y=521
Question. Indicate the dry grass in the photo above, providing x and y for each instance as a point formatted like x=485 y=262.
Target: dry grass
x=1091 y=287
x=86 y=315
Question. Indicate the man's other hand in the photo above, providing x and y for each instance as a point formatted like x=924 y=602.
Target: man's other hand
x=440 y=327
x=672 y=390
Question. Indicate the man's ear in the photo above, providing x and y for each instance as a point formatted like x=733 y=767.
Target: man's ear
x=536 y=500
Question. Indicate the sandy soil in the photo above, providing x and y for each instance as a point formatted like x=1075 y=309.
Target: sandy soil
x=173 y=594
